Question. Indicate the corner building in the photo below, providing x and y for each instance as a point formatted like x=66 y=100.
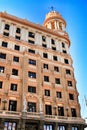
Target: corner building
x=37 y=84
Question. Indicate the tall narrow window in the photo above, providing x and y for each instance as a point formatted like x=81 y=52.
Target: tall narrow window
x=12 y=105
x=13 y=87
x=7 y=26
x=55 y=58
x=18 y=30
x=60 y=111
x=56 y=69
x=52 y=41
x=59 y=94
x=1 y=83
x=46 y=78
x=57 y=80
x=66 y=61
x=31 y=107
x=2 y=69
x=45 y=66
x=73 y=111
x=48 y=109
x=47 y=92
x=43 y=38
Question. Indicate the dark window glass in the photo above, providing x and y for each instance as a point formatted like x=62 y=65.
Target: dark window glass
x=2 y=56
x=6 y=34
x=17 y=47
x=15 y=72
x=31 y=42
x=16 y=59
x=31 y=107
x=45 y=66
x=55 y=58
x=45 y=55
x=4 y=44
x=31 y=74
x=52 y=41
x=59 y=94
x=1 y=83
x=73 y=111
x=64 y=51
x=69 y=83
x=43 y=38
x=63 y=45
x=48 y=109
x=66 y=61
x=17 y=37
x=31 y=89
x=44 y=45
x=60 y=111
x=13 y=87
x=56 y=69
x=57 y=80
x=31 y=34
x=7 y=26
x=31 y=51
x=47 y=92
x=53 y=48
x=71 y=96
x=2 y=69
x=46 y=78
x=12 y=105
x=32 y=62
x=68 y=71
x=18 y=30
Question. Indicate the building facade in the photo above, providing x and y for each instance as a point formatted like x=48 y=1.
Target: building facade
x=37 y=83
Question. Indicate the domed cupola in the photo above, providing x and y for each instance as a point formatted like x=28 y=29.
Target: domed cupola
x=54 y=21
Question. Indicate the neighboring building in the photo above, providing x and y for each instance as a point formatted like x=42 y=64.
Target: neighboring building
x=37 y=84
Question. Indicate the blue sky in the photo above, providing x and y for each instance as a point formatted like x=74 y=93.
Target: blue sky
x=75 y=14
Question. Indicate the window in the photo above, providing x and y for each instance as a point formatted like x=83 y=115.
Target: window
x=55 y=58
x=17 y=37
x=15 y=72
x=12 y=105
x=71 y=96
x=31 y=42
x=13 y=87
x=4 y=44
x=73 y=111
x=31 y=74
x=45 y=55
x=17 y=47
x=61 y=127
x=10 y=126
x=52 y=41
x=75 y=128
x=64 y=51
x=68 y=71
x=47 y=92
x=48 y=109
x=69 y=83
x=31 y=51
x=66 y=61
x=7 y=26
x=31 y=89
x=60 y=111
x=1 y=83
x=6 y=34
x=57 y=80
x=2 y=56
x=32 y=62
x=46 y=78
x=59 y=94
x=54 y=48
x=45 y=66
x=18 y=30
x=56 y=69
x=2 y=69
x=31 y=34
x=63 y=45
x=31 y=107
x=16 y=59
x=44 y=45
x=48 y=127
x=43 y=38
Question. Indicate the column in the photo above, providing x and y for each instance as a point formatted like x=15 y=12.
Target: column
x=41 y=125
x=38 y=38
x=69 y=127
x=2 y=26
x=55 y=126
x=2 y=124
x=24 y=34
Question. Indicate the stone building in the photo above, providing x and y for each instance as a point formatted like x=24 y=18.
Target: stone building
x=37 y=84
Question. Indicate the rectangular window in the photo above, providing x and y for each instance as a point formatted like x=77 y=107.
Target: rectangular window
x=31 y=89
x=15 y=72
x=12 y=105
x=31 y=107
x=17 y=37
x=47 y=92
x=56 y=69
x=18 y=30
x=57 y=80
x=4 y=44
x=31 y=34
x=54 y=48
x=2 y=69
x=68 y=71
x=13 y=87
x=32 y=74
x=61 y=127
x=31 y=42
x=48 y=109
x=60 y=111
x=31 y=51
x=45 y=66
x=55 y=58
x=44 y=45
x=71 y=96
x=32 y=62
x=52 y=41
x=59 y=94
x=10 y=126
x=6 y=34
x=64 y=51
x=2 y=56
x=66 y=61
x=1 y=83
x=48 y=127
x=46 y=78
x=69 y=83
x=43 y=38
x=16 y=59
x=7 y=26
x=63 y=45
x=17 y=47
x=73 y=111
x=75 y=128
x=45 y=55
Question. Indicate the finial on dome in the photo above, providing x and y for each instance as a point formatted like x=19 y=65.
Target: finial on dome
x=52 y=8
